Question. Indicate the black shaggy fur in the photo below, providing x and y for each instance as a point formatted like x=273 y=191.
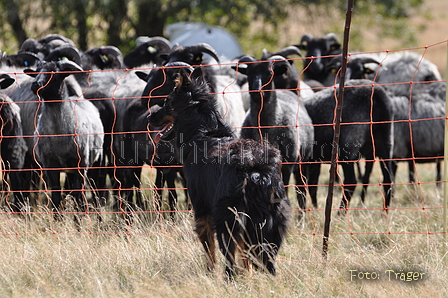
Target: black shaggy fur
x=235 y=186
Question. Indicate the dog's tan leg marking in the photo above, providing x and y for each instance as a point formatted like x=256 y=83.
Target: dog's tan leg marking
x=242 y=251
x=206 y=234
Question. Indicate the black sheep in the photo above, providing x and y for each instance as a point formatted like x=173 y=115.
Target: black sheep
x=278 y=117
x=365 y=104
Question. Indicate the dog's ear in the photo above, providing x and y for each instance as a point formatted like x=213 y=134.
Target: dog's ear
x=197 y=73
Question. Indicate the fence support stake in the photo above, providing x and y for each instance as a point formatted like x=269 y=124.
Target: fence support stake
x=337 y=129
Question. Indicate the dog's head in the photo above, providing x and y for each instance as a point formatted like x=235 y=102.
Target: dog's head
x=160 y=82
x=190 y=89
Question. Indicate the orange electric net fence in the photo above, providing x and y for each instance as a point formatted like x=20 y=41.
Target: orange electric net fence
x=392 y=131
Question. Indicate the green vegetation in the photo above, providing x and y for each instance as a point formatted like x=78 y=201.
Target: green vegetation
x=256 y=23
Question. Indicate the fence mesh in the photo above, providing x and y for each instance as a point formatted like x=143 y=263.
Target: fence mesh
x=130 y=148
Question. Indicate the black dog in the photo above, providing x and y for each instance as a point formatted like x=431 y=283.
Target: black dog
x=235 y=186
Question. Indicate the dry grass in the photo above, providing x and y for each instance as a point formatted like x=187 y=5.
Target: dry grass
x=159 y=258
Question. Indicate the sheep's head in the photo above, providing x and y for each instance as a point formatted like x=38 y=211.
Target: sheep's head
x=357 y=67
x=148 y=51
x=260 y=74
x=63 y=53
x=190 y=54
x=290 y=79
x=316 y=48
x=22 y=59
x=49 y=76
x=105 y=57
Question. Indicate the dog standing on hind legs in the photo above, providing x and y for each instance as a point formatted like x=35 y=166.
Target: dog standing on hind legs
x=235 y=186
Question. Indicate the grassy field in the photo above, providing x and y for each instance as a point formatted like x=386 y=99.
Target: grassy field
x=158 y=258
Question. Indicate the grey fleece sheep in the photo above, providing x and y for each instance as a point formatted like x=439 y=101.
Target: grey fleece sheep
x=69 y=133
x=421 y=117
x=12 y=145
x=363 y=104
x=27 y=102
x=277 y=116
x=425 y=101
x=397 y=70
x=425 y=110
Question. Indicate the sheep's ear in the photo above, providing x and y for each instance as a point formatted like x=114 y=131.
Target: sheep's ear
x=241 y=68
x=198 y=58
x=142 y=75
x=164 y=57
x=280 y=68
x=335 y=47
x=302 y=46
x=30 y=72
x=6 y=81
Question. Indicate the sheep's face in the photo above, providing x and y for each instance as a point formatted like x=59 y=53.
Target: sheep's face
x=316 y=50
x=45 y=79
x=106 y=57
x=192 y=55
x=356 y=70
x=49 y=77
x=260 y=75
x=181 y=54
x=141 y=55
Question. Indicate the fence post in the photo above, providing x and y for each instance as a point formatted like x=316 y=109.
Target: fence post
x=337 y=129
